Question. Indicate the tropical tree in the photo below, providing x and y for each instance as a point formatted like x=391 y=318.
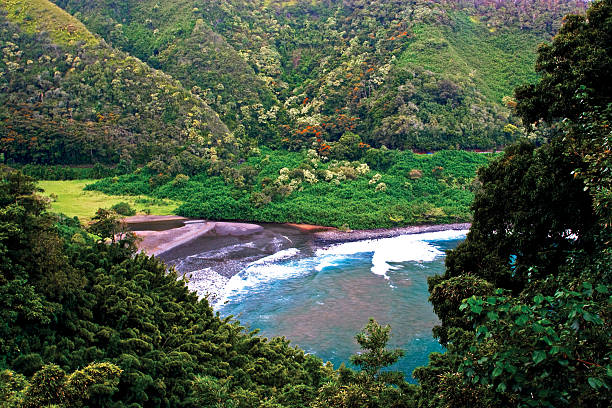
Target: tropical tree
x=534 y=326
x=373 y=386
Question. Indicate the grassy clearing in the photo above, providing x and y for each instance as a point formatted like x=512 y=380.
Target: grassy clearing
x=73 y=201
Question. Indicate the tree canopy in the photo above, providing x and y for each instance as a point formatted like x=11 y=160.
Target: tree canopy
x=525 y=300
x=574 y=69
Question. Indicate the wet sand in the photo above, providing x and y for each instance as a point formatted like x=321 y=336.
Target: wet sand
x=156 y=242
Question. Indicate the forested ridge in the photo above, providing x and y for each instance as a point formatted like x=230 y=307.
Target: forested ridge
x=406 y=74
x=525 y=302
x=69 y=98
x=296 y=75
x=249 y=110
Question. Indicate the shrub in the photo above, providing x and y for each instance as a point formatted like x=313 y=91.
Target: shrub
x=180 y=180
x=415 y=174
x=123 y=208
x=260 y=199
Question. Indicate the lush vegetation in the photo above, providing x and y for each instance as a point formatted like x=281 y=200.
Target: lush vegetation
x=394 y=189
x=526 y=299
x=409 y=75
x=406 y=74
x=66 y=97
x=333 y=94
x=57 y=172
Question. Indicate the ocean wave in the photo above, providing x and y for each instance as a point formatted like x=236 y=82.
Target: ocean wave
x=286 y=264
x=264 y=270
x=403 y=248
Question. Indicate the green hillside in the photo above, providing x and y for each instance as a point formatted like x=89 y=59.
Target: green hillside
x=524 y=303
x=38 y=15
x=495 y=63
x=180 y=39
x=295 y=75
x=69 y=98
x=411 y=74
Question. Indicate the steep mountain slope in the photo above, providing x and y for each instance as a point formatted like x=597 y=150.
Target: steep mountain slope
x=408 y=74
x=178 y=38
x=67 y=97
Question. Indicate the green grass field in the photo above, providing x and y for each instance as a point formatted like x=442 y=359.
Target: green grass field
x=73 y=201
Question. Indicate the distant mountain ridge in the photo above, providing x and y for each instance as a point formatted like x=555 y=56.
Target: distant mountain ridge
x=68 y=97
x=416 y=74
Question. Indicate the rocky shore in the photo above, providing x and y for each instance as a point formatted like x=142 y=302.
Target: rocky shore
x=207 y=284
x=226 y=248
x=337 y=236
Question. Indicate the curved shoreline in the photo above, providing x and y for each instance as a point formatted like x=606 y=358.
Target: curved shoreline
x=209 y=282
x=159 y=242
x=337 y=236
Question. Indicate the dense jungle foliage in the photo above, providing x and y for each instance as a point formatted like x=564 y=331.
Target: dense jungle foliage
x=385 y=189
x=525 y=303
x=526 y=300
x=405 y=74
x=314 y=89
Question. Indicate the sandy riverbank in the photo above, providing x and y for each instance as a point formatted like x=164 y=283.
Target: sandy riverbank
x=158 y=242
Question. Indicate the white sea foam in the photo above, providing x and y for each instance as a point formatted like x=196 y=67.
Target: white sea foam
x=278 y=256
x=279 y=266
x=206 y=282
x=404 y=248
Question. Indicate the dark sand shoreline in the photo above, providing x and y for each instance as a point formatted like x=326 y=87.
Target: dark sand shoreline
x=177 y=233
x=155 y=242
x=158 y=242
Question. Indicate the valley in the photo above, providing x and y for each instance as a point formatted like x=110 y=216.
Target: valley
x=305 y=203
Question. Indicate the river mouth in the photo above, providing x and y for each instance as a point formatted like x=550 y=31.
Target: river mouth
x=227 y=255
x=286 y=282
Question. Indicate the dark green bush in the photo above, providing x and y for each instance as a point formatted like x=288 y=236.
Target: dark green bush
x=123 y=208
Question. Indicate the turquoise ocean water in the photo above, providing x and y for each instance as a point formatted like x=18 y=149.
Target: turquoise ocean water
x=320 y=299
